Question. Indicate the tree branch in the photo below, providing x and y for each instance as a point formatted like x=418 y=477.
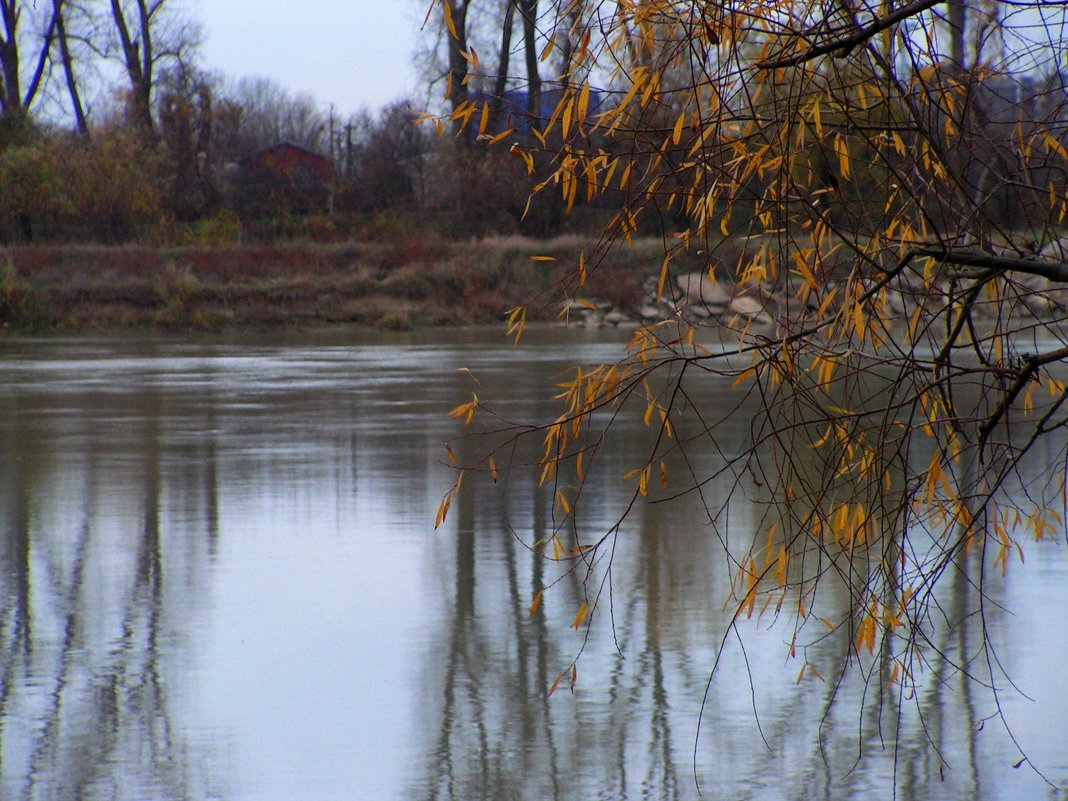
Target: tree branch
x=969 y=257
x=858 y=36
x=1029 y=370
x=42 y=58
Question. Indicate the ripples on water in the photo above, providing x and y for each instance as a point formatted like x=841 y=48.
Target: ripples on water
x=219 y=579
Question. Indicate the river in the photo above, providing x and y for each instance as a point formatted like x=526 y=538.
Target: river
x=220 y=579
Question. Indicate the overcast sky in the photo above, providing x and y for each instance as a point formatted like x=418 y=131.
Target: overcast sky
x=352 y=53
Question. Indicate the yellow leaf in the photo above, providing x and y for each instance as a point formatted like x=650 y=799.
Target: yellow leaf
x=583 y=610
x=745 y=375
x=842 y=152
x=517 y=319
x=1055 y=146
x=556 y=684
x=443 y=510
x=676 y=135
x=800 y=258
x=899 y=143
x=502 y=135
x=493 y=469
x=583 y=105
x=816 y=117
x=465 y=410
x=520 y=153
x=471 y=56
x=663 y=278
x=562 y=500
x=448 y=19
x=547 y=51
x=536 y=603
x=543 y=258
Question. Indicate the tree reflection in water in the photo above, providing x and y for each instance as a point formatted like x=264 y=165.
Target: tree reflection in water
x=87 y=636
x=629 y=729
x=141 y=538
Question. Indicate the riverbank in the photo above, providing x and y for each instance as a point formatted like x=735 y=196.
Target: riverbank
x=419 y=282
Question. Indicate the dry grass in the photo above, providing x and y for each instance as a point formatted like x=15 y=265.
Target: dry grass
x=422 y=280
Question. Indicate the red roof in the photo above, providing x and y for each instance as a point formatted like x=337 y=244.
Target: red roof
x=292 y=162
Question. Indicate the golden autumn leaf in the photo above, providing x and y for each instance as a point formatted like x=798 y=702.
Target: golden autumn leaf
x=536 y=602
x=580 y=616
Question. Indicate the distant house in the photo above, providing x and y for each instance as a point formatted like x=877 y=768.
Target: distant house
x=283 y=179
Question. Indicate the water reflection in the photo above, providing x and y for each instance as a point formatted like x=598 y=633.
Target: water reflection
x=218 y=580
x=87 y=635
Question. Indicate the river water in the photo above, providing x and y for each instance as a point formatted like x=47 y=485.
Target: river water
x=219 y=579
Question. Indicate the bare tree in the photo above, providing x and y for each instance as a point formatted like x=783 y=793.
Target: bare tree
x=149 y=34
x=528 y=10
x=257 y=112
x=15 y=100
x=63 y=40
x=504 y=55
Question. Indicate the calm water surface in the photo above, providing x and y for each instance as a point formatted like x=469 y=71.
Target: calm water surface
x=219 y=579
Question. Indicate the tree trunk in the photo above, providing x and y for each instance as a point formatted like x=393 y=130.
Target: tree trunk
x=500 y=84
x=955 y=18
x=458 y=65
x=14 y=100
x=529 y=11
x=68 y=70
x=137 y=60
x=10 y=91
x=574 y=31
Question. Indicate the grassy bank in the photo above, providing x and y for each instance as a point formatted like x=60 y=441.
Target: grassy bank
x=386 y=285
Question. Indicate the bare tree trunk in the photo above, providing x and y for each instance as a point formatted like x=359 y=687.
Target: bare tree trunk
x=458 y=64
x=10 y=91
x=68 y=69
x=955 y=18
x=137 y=55
x=529 y=11
x=13 y=100
x=574 y=22
x=501 y=82
x=42 y=60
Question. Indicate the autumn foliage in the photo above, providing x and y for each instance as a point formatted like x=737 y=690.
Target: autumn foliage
x=897 y=174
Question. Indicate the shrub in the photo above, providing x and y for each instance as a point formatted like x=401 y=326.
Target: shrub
x=177 y=290
x=22 y=306
x=33 y=197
